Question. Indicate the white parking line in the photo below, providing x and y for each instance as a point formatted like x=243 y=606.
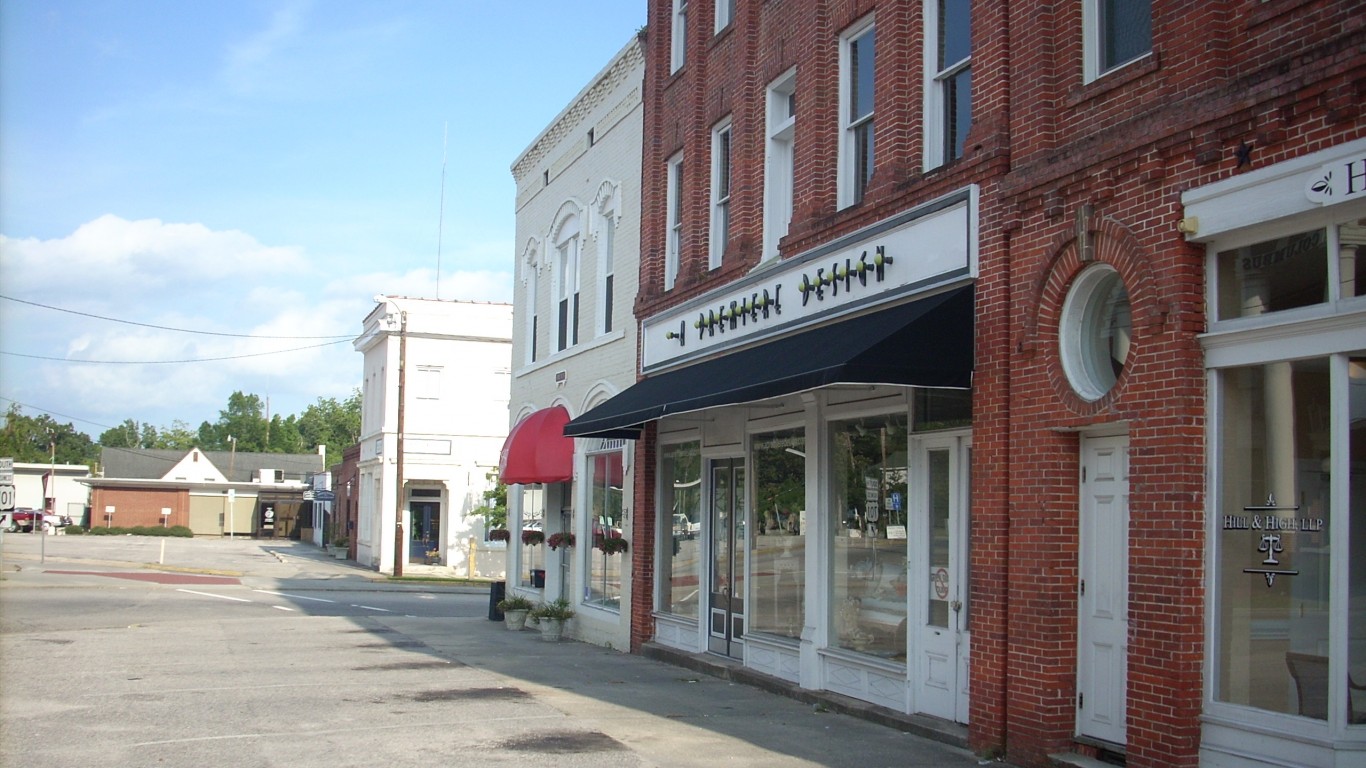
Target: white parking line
x=210 y=594
x=371 y=608
x=293 y=597
x=283 y=608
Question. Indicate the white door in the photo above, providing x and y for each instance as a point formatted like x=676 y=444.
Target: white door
x=1103 y=589
x=940 y=599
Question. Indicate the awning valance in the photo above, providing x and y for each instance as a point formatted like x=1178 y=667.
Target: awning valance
x=537 y=451
x=923 y=343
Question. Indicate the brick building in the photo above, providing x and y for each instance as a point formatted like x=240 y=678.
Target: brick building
x=1008 y=359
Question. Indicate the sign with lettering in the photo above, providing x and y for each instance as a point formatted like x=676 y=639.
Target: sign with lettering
x=1270 y=526
x=1338 y=181
x=912 y=252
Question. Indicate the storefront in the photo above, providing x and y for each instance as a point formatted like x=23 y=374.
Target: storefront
x=1286 y=358
x=807 y=455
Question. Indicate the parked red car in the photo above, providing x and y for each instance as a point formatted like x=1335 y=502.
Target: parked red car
x=22 y=519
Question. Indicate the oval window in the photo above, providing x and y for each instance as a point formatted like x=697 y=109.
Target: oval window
x=1095 y=332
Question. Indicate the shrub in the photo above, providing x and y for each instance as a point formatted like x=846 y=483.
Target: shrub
x=514 y=603
x=179 y=531
x=558 y=609
x=74 y=530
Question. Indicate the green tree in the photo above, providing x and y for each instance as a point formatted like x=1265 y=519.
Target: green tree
x=331 y=423
x=243 y=420
x=178 y=436
x=38 y=439
x=495 y=509
x=125 y=435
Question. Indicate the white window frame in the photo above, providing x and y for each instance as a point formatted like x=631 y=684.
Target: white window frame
x=674 y=221
x=850 y=188
x=678 y=38
x=608 y=209
x=428 y=384
x=780 y=121
x=721 y=175
x=1093 y=43
x=531 y=265
x=568 y=247
x=937 y=115
x=725 y=14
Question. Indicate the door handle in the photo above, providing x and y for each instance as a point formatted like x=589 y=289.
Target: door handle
x=956 y=605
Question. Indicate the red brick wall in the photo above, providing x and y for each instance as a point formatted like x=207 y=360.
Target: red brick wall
x=1283 y=78
x=139 y=507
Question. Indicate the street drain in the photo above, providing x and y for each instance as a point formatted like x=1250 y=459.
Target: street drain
x=473 y=694
x=564 y=743
x=402 y=665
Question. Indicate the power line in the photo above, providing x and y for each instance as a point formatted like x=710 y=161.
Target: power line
x=174 y=362
x=165 y=327
x=54 y=413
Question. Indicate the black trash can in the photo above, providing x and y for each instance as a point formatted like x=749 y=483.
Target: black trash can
x=497 y=591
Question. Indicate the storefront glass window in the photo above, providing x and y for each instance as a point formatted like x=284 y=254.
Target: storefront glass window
x=680 y=564
x=1275 y=275
x=778 y=546
x=605 y=494
x=1273 y=537
x=942 y=409
x=533 y=519
x=1356 y=579
x=868 y=475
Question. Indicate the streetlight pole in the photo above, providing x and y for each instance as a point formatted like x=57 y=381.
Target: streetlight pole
x=398 y=480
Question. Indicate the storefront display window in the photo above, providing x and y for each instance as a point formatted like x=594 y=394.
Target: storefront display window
x=605 y=502
x=532 y=554
x=778 y=545
x=868 y=477
x=1273 y=536
x=1356 y=574
x=1274 y=275
x=680 y=493
x=942 y=409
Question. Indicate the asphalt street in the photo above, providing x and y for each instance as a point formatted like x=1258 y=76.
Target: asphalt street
x=115 y=652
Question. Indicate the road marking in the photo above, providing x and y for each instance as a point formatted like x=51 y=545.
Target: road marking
x=293 y=597
x=283 y=608
x=210 y=594
x=371 y=608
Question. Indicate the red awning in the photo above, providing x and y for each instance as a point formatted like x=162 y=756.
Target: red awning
x=537 y=451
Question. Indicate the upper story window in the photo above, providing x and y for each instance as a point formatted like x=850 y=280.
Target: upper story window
x=428 y=384
x=531 y=263
x=1116 y=32
x=608 y=207
x=856 y=112
x=780 y=122
x=673 y=248
x=720 y=192
x=948 y=75
x=725 y=14
x=678 y=40
x=567 y=244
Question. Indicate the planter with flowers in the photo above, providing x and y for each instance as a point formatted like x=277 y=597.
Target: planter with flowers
x=557 y=540
x=532 y=537
x=550 y=617
x=434 y=556
x=500 y=534
x=515 y=609
x=609 y=545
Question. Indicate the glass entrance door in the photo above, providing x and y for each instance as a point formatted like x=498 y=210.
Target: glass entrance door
x=425 y=530
x=727 y=558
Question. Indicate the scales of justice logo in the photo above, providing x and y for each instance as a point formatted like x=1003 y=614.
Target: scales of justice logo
x=1270 y=530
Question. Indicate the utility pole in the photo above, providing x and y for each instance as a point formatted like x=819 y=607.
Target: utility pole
x=398 y=480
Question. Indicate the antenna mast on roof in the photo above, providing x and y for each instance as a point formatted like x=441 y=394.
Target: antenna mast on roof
x=441 y=211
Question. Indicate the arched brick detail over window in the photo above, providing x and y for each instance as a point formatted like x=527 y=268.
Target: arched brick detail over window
x=1115 y=245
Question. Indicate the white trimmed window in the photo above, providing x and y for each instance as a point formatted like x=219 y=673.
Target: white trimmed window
x=567 y=243
x=856 y=112
x=678 y=40
x=428 y=384
x=673 y=248
x=720 y=192
x=725 y=14
x=780 y=123
x=531 y=263
x=1116 y=32
x=608 y=208
x=948 y=80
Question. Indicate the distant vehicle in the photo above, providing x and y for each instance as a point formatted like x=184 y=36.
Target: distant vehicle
x=23 y=519
x=685 y=528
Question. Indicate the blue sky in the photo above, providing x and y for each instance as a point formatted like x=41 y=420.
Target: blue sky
x=259 y=167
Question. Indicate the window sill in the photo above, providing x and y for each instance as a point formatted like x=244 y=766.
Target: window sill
x=1123 y=75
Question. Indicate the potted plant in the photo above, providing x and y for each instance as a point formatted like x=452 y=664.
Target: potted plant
x=515 y=609
x=610 y=545
x=532 y=537
x=434 y=556
x=557 y=540
x=500 y=534
x=550 y=617
x=340 y=545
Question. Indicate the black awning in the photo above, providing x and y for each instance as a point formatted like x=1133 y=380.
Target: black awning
x=923 y=343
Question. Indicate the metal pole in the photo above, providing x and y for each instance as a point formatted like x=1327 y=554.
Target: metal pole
x=398 y=479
